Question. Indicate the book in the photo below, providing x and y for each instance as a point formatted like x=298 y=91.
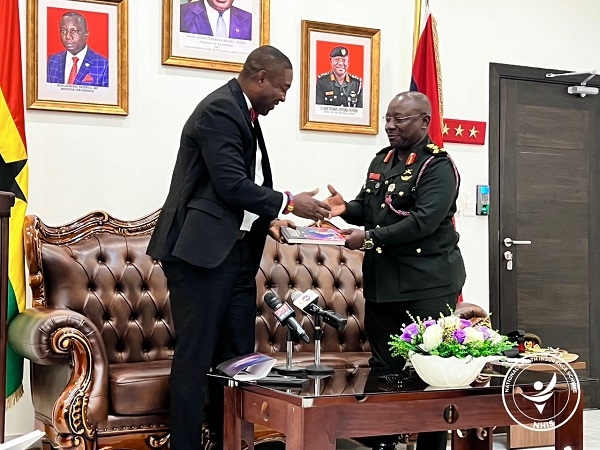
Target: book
x=312 y=235
x=247 y=367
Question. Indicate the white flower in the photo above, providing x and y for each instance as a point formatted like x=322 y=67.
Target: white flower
x=472 y=335
x=451 y=322
x=496 y=337
x=432 y=337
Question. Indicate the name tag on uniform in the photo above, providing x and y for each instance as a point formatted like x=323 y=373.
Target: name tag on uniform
x=374 y=176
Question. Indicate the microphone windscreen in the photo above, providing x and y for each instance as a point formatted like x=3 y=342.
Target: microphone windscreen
x=271 y=300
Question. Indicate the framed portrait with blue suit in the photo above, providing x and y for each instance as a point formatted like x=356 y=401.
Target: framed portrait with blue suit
x=213 y=34
x=79 y=60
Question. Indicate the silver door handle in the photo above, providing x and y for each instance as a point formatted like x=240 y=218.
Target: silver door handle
x=508 y=242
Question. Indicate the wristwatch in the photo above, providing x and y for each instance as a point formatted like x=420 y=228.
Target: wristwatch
x=368 y=242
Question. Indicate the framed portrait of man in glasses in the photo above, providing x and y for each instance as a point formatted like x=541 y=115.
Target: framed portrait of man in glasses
x=340 y=78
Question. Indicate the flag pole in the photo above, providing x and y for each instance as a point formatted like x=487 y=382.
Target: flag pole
x=417 y=27
x=7 y=200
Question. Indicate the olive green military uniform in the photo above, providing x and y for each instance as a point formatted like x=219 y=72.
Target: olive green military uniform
x=331 y=92
x=415 y=254
x=415 y=264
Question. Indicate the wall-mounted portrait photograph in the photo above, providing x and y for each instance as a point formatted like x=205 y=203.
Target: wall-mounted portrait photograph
x=213 y=34
x=340 y=78
x=79 y=58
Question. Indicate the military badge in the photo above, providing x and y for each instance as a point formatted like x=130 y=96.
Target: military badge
x=407 y=175
x=411 y=158
x=343 y=52
x=391 y=187
x=374 y=176
x=329 y=93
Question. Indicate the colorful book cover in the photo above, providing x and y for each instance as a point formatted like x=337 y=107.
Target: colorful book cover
x=247 y=367
x=313 y=235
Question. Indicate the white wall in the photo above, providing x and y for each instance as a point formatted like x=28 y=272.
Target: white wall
x=82 y=162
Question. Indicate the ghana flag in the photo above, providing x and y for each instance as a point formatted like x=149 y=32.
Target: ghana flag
x=13 y=175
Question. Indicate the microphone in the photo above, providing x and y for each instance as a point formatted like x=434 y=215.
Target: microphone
x=285 y=315
x=307 y=302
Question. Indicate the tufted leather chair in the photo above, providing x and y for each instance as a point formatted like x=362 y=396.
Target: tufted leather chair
x=100 y=335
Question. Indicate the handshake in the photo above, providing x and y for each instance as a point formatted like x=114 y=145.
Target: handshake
x=305 y=205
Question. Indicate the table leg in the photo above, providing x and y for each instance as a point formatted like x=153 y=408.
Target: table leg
x=310 y=429
x=232 y=428
x=473 y=439
x=569 y=435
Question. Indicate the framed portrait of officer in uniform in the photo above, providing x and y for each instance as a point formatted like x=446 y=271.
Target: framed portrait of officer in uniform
x=213 y=34
x=339 y=78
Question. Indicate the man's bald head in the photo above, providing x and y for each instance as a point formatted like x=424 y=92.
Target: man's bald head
x=407 y=119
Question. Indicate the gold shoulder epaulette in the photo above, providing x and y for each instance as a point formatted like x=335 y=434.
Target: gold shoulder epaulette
x=435 y=149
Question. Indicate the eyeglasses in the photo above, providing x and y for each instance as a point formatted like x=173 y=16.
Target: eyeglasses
x=398 y=120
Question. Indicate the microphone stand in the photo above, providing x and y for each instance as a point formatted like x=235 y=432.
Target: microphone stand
x=289 y=369
x=317 y=368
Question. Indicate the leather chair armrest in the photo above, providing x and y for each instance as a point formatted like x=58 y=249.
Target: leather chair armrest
x=62 y=337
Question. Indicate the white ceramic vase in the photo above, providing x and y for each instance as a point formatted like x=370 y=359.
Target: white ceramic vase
x=448 y=372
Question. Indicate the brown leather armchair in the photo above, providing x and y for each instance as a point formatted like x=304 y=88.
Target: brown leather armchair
x=99 y=334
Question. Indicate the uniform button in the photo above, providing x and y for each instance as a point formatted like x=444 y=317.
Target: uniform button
x=382 y=205
x=377 y=185
x=377 y=226
x=378 y=250
x=368 y=191
x=341 y=94
x=400 y=193
x=386 y=182
x=335 y=96
x=418 y=250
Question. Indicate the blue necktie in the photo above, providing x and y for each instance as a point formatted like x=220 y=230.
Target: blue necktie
x=221 y=28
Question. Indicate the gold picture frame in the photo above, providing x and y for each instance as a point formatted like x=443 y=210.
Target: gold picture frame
x=188 y=40
x=330 y=53
x=99 y=83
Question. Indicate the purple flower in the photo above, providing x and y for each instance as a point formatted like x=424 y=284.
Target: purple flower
x=487 y=333
x=459 y=336
x=429 y=322
x=406 y=337
x=464 y=323
x=410 y=332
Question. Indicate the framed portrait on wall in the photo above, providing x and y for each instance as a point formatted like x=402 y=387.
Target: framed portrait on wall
x=213 y=34
x=77 y=55
x=340 y=78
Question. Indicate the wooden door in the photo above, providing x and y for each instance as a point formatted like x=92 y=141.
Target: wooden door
x=545 y=188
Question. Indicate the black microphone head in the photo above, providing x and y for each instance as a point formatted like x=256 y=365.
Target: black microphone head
x=271 y=300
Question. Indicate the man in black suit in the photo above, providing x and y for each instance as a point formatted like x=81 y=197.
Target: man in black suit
x=211 y=233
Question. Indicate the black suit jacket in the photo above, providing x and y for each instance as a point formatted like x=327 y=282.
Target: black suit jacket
x=212 y=184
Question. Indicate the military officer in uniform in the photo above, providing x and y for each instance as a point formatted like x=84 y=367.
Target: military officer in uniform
x=338 y=87
x=412 y=261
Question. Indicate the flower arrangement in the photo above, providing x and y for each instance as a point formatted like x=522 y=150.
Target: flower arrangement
x=446 y=337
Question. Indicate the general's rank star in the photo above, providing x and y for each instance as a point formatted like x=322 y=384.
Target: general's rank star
x=473 y=132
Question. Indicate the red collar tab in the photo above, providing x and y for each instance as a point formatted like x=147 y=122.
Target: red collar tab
x=411 y=159
x=389 y=156
x=374 y=176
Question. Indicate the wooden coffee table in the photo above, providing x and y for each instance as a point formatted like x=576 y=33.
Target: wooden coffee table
x=353 y=404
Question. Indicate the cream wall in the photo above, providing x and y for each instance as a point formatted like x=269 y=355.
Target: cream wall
x=83 y=162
